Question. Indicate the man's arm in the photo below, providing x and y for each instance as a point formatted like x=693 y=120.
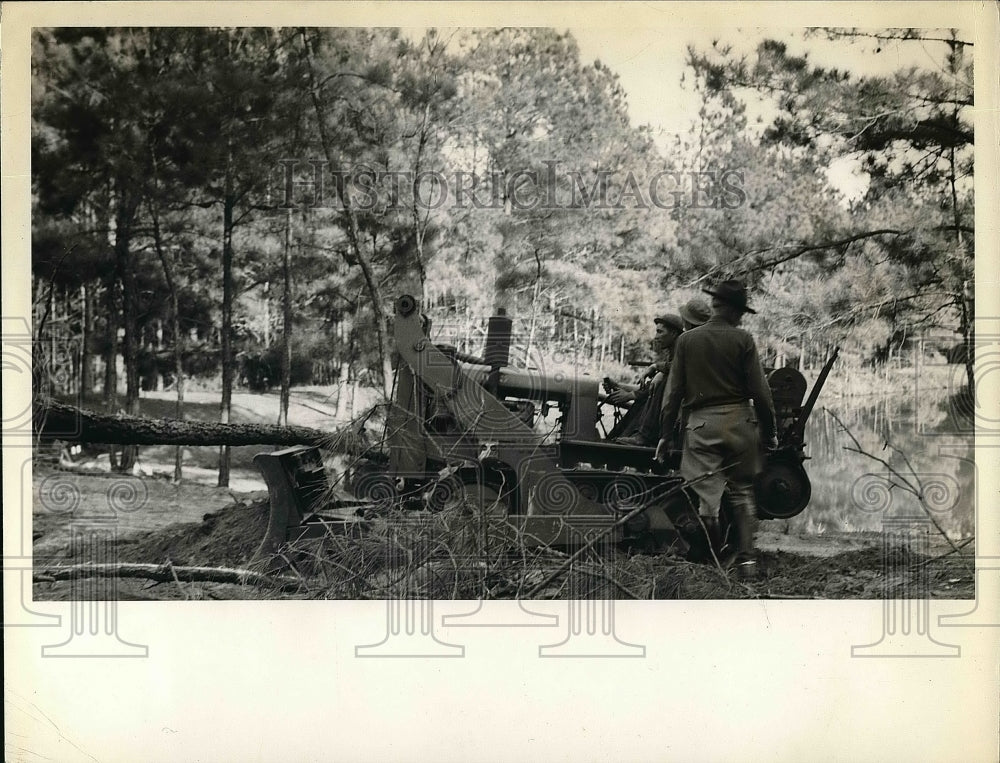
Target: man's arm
x=672 y=397
x=760 y=391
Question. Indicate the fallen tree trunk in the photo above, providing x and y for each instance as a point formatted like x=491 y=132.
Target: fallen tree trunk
x=164 y=573
x=56 y=420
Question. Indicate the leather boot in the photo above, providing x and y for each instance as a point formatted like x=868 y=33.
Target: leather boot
x=701 y=539
x=746 y=567
x=745 y=519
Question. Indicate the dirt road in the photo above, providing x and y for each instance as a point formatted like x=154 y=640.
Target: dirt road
x=126 y=505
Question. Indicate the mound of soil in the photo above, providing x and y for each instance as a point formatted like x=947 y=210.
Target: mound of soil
x=225 y=538
x=230 y=536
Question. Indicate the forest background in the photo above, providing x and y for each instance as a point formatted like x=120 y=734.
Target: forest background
x=225 y=208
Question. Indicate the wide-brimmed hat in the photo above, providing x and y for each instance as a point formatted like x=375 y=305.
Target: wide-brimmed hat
x=733 y=293
x=696 y=311
x=670 y=320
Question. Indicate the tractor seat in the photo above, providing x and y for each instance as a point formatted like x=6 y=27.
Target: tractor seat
x=610 y=454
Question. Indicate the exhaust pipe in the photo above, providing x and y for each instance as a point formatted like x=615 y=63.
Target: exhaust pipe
x=497 y=351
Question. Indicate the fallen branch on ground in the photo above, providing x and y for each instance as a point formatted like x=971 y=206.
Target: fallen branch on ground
x=165 y=573
x=956 y=550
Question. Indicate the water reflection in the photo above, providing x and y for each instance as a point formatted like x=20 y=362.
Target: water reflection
x=918 y=436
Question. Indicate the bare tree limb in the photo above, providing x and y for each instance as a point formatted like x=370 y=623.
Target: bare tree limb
x=165 y=573
x=916 y=490
x=798 y=251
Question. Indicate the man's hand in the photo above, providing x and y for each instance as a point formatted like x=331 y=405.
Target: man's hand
x=662 y=450
x=772 y=443
x=620 y=397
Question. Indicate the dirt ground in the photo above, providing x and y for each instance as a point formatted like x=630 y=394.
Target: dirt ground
x=151 y=520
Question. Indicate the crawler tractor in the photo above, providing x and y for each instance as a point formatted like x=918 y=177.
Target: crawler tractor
x=477 y=437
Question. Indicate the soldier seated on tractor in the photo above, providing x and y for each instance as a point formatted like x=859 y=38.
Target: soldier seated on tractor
x=668 y=328
x=643 y=428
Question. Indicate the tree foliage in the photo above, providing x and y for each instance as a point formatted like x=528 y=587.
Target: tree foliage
x=177 y=171
x=899 y=258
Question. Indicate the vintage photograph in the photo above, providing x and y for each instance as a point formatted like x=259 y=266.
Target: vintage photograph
x=498 y=313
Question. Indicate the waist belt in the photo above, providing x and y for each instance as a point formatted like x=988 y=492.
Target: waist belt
x=720 y=406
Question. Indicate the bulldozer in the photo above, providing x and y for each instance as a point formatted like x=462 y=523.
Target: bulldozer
x=522 y=449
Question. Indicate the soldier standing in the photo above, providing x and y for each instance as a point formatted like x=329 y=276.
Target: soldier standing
x=717 y=376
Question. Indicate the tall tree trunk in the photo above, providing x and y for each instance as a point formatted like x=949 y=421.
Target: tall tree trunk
x=420 y=229
x=225 y=410
x=966 y=304
x=179 y=378
x=591 y=334
x=353 y=231
x=967 y=324
x=967 y=327
x=126 y=264
x=111 y=346
x=605 y=336
x=111 y=358
x=175 y=327
x=86 y=320
x=344 y=377
x=286 y=323
x=267 y=314
x=50 y=312
x=533 y=321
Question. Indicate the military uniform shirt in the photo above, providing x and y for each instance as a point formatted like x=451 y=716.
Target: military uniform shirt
x=716 y=364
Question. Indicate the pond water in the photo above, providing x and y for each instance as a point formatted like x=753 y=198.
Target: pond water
x=927 y=444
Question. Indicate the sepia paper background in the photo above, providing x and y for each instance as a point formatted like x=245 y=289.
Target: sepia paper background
x=278 y=681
